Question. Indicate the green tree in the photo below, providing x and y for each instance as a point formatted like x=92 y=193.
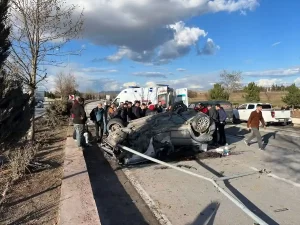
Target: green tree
x=14 y=108
x=252 y=92
x=218 y=93
x=293 y=96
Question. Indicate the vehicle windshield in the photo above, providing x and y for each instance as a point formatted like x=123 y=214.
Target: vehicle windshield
x=266 y=106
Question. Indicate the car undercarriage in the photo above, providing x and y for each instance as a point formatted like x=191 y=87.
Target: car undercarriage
x=161 y=135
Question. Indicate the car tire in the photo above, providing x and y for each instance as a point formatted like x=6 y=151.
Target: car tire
x=235 y=120
x=115 y=124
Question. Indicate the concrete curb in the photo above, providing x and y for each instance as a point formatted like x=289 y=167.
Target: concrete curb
x=77 y=201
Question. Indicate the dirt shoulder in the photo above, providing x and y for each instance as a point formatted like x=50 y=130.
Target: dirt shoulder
x=34 y=199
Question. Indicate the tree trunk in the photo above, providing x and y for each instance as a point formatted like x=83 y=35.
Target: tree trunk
x=31 y=132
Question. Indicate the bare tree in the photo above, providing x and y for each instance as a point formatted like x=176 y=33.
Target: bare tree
x=231 y=81
x=66 y=84
x=40 y=28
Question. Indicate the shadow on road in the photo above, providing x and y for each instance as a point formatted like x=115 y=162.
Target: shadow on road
x=207 y=216
x=250 y=205
x=114 y=204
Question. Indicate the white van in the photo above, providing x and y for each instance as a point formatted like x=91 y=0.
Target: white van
x=162 y=93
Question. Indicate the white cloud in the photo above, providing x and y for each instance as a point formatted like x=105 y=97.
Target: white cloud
x=181 y=70
x=86 y=78
x=150 y=84
x=273 y=73
x=297 y=81
x=210 y=48
x=128 y=84
x=276 y=43
x=132 y=26
x=151 y=74
x=268 y=82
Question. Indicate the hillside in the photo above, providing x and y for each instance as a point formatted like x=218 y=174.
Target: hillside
x=270 y=97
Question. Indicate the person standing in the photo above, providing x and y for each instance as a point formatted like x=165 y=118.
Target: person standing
x=222 y=123
x=255 y=118
x=97 y=115
x=79 y=119
x=136 y=110
x=159 y=108
x=214 y=115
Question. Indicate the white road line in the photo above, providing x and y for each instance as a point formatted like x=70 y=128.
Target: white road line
x=278 y=178
x=162 y=219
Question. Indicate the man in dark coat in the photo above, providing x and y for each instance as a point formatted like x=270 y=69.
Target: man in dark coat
x=79 y=120
x=222 y=123
x=136 y=110
x=214 y=115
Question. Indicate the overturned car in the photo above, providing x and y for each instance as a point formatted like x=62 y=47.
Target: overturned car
x=161 y=135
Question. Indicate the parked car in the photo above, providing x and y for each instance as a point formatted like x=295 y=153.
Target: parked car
x=227 y=106
x=39 y=104
x=270 y=115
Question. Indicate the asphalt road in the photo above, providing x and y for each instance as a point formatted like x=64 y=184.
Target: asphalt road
x=273 y=195
x=39 y=111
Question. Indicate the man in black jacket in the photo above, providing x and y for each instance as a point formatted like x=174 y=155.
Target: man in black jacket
x=136 y=110
x=214 y=115
x=79 y=120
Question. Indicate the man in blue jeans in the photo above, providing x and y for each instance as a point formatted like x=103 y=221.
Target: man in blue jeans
x=79 y=120
x=97 y=115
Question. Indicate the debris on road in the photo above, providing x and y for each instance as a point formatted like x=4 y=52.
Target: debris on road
x=281 y=210
x=186 y=166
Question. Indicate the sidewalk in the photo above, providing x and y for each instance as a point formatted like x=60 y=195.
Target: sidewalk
x=77 y=200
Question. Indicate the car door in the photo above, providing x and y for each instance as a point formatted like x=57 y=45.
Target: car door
x=249 y=110
x=242 y=112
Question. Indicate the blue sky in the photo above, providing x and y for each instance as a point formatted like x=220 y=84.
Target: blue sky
x=185 y=43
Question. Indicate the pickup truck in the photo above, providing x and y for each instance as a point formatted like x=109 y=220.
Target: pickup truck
x=270 y=115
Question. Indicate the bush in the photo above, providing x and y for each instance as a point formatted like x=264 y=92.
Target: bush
x=57 y=112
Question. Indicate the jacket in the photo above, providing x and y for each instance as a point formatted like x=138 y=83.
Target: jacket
x=94 y=112
x=137 y=112
x=130 y=114
x=222 y=115
x=254 y=119
x=79 y=115
x=213 y=113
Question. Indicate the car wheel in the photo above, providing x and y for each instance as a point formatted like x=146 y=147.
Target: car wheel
x=235 y=120
x=115 y=124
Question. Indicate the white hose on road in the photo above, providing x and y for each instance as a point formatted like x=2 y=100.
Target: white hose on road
x=231 y=198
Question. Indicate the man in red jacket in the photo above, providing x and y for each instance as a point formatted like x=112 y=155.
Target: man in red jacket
x=255 y=118
x=201 y=108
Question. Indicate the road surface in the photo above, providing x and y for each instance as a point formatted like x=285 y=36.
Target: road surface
x=273 y=195
x=187 y=200
x=39 y=111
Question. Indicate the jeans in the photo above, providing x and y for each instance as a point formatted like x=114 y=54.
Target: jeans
x=221 y=127
x=256 y=133
x=99 y=130
x=79 y=128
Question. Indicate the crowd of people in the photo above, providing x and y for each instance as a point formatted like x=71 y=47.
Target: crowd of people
x=126 y=111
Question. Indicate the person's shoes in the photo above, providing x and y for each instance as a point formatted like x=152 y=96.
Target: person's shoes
x=99 y=140
x=262 y=149
x=246 y=142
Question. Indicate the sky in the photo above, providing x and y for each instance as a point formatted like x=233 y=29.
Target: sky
x=183 y=43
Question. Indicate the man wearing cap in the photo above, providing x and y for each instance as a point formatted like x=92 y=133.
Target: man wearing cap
x=255 y=118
